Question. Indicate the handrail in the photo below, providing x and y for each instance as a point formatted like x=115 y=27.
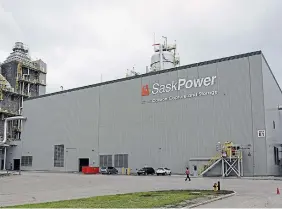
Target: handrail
x=211 y=161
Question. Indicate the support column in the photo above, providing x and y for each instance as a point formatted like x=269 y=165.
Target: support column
x=5 y=158
x=226 y=167
x=242 y=167
x=222 y=167
x=239 y=166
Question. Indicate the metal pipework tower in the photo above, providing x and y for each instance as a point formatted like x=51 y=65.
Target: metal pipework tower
x=165 y=56
x=20 y=78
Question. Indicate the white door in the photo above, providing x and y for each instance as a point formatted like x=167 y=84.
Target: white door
x=71 y=160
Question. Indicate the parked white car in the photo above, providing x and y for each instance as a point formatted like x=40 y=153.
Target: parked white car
x=163 y=171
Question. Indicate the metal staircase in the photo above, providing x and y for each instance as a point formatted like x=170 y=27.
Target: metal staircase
x=231 y=157
x=212 y=162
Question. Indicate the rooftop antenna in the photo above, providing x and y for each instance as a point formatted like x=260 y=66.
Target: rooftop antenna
x=154 y=41
x=165 y=43
x=174 y=54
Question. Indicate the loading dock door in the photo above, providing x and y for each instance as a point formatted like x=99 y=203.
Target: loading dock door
x=83 y=162
x=71 y=160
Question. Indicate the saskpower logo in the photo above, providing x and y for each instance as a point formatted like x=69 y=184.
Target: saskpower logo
x=145 y=90
x=176 y=86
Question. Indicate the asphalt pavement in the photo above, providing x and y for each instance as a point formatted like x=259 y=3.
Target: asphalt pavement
x=33 y=187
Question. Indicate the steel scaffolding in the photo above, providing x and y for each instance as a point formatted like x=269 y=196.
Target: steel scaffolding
x=231 y=157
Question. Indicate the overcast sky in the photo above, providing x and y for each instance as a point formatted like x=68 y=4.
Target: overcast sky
x=82 y=39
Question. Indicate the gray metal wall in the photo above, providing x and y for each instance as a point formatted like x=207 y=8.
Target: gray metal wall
x=42 y=89
x=116 y=119
x=42 y=77
x=273 y=118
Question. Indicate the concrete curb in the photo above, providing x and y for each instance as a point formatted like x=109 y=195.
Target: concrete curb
x=265 y=179
x=239 y=178
x=211 y=200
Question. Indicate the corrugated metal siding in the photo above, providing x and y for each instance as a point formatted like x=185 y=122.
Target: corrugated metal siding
x=259 y=149
x=156 y=134
x=235 y=57
x=272 y=98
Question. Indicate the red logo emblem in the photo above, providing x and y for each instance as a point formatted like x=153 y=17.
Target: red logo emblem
x=145 y=90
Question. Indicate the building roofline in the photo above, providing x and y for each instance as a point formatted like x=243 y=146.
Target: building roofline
x=152 y=73
x=271 y=72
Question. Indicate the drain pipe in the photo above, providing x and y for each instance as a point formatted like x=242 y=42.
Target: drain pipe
x=5 y=134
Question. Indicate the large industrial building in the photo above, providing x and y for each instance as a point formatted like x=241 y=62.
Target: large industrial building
x=171 y=118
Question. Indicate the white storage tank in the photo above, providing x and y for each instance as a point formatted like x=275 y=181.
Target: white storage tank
x=167 y=59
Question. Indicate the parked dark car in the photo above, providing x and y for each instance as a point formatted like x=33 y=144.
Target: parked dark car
x=108 y=170
x=146 y=171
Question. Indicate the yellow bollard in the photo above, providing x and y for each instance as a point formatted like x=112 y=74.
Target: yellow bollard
x=122 y=171
x=128 y=171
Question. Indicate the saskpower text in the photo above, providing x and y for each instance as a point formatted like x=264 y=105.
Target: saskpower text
x=182 y=83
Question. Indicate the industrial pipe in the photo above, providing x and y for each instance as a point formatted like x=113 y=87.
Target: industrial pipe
x=161 y=57
x=5 y=126
x=5 y=134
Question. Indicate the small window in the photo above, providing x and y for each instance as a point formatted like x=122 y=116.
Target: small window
x=121 y=161
x=105 y=161
x=26 y=161
x=59 y=155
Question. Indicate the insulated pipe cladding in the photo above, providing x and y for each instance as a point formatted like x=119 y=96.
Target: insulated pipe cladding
x=5 y=126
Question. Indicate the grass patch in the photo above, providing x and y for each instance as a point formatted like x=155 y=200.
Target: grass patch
x=131 y=200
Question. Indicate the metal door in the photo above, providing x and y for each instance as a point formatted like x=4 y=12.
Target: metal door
x=71 y=160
